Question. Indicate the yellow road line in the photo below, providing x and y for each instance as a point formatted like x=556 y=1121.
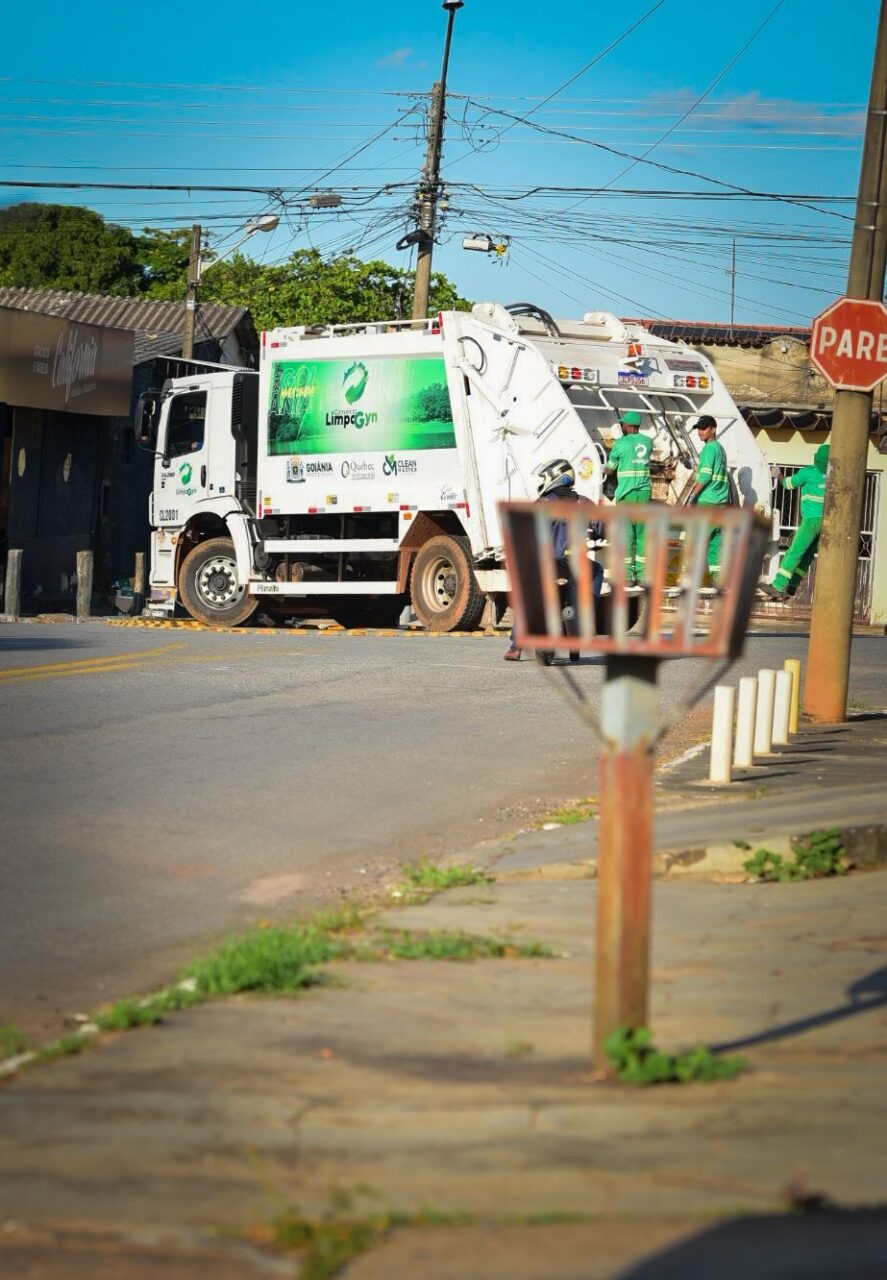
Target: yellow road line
x=86 y=666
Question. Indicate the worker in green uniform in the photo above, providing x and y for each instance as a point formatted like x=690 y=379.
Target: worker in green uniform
x=712 y=484
x=629 y=461
x=810 y=482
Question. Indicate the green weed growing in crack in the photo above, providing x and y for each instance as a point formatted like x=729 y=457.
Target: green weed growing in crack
x=12 y=1041
x=816 y=856
x=570 y=815
x=328 y=1243
x=638 y=1061
x=423 y=879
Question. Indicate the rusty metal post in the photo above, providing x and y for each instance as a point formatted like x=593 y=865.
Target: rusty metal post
x=629 y=725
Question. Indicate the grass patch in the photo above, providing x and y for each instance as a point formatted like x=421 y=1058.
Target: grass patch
x=519 y=1048
x=423 y=879
x=327 y=1244
x=816 y=856
x=441 y=944
x=638 y=1061
x=266 y=960
x=12 y=1041
x=66 y=1047
x=570 y=815
x=126 y=1014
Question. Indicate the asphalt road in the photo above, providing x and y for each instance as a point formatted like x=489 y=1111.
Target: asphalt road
x=160 y=787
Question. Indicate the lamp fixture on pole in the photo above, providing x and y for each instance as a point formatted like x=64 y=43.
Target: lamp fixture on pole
x=265 y=222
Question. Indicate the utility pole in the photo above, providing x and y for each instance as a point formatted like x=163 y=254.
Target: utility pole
x=732 y=274
x=191 y=294
x=831 y=629
x=430 y=184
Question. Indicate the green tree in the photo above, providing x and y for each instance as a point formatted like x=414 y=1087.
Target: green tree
x=56 y=246
x=309 y=289
x=70 y=247
x=164 y=256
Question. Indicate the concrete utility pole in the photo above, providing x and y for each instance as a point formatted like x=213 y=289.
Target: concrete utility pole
x=191 y=294
x=430 y=184
x=831 y=630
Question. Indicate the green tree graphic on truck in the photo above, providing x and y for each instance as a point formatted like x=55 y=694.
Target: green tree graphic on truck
x=404 y=404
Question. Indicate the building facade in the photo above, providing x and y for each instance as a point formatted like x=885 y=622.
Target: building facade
x=73 y=479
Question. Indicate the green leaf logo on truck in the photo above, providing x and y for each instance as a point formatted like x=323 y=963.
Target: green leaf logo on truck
x=185 y=473
x=354 y=380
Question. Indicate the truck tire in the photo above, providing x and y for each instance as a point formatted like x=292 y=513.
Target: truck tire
x=443 y=588
x=208 y=586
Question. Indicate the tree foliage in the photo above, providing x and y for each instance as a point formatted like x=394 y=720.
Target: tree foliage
x=69 y=247
x=55 y=246
x=310 y=289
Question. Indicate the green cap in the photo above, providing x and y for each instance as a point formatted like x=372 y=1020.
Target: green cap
x=820 y=458
x=631 y=419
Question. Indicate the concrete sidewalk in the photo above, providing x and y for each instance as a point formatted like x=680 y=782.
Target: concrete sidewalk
x=459 y=1096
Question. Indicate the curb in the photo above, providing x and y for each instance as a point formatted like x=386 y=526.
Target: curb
x=866 y=848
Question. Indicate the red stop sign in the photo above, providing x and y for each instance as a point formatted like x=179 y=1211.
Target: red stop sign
x=849 y=344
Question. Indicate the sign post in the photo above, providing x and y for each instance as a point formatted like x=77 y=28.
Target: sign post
x=680 y=621
x=853 y=359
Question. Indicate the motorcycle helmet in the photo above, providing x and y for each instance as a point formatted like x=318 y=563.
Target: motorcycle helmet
x=557 y=474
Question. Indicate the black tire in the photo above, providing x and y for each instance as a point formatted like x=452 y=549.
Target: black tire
x=443 y=588
x=375 y=611
x=208 y=586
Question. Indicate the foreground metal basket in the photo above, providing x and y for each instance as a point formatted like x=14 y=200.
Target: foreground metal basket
x=669 y=623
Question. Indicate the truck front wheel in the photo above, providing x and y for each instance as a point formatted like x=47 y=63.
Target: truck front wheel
x=443 y=587
x=208 y=585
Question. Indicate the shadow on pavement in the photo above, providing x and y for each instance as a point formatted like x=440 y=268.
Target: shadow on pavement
x=824 y=1244
x=33 y=644
x=864 y=995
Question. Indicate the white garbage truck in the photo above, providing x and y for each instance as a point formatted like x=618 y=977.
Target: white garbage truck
x=360 y=469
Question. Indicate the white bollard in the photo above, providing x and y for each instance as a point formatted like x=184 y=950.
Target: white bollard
x=782 y=708
x=744 y=752
x=764 y=712
x=722 y=734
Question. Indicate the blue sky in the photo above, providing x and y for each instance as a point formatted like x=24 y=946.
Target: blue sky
x=277 y=102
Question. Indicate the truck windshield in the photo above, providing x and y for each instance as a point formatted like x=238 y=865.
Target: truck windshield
x=185 y=427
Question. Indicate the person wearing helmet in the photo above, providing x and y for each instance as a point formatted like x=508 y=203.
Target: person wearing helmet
x=629 y=462
x=712 y=484
x=557 y=480
x=810 y=483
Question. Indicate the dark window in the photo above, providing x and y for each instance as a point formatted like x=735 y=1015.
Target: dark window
x=187 y=416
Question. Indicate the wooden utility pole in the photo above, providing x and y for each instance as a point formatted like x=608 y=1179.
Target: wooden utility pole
x=191 y=294
x=831 y=629
x=429 y=187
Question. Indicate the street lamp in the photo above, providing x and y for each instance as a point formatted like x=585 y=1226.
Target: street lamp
x=265 y=222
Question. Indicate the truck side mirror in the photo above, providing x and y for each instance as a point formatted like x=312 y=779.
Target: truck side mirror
x=144 y=421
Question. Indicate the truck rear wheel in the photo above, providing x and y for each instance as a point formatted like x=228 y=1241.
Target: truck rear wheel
x=208 y=585
x=444 y=590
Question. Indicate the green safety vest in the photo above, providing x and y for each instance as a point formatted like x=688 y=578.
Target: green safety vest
x=811 y=483
x=630 y=457
x=711 y=473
